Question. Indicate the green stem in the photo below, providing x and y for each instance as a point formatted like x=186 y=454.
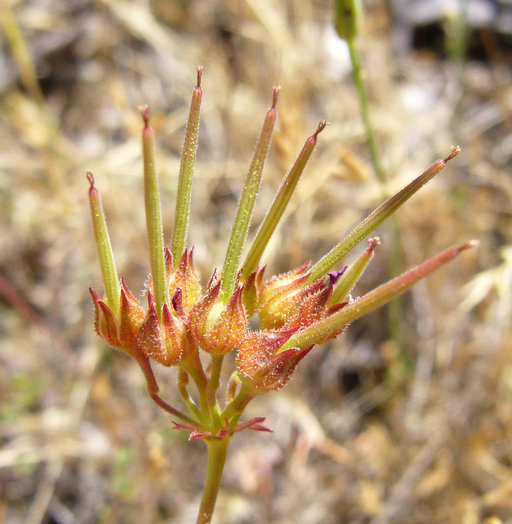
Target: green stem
x=372 y=300
x=160 y=402
x=182 y=388
x=201 y=383
x=234 y=382
x=246 y=203
x=238 y=404
x=104 y=248
x=353 y=273
x=153 y=389
x=217 y=451
x=154 y=217
x=279 y=204
x=374 y=219
x=192 y=365
x=395 y=312
x=188 y=160
x=363 y=102
x=214 y=384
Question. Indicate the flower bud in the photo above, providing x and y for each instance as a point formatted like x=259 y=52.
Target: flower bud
x=259 y=364
x=281 y=296
x=163 y=340
x=120 y=331
x=183 y=277
x=347 y=18
x=217 y=327
x=105 y=321
x=313 y=304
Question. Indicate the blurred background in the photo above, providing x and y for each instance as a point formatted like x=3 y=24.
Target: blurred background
x=376 y=427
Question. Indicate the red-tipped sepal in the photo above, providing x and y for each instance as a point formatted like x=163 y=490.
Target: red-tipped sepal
x=120 y=330
x=281 y=296
x=131 y=317
x=183 y=277
x=196 y=433
x=254 y=424
x=324 y=329
x=261 y=366
x=104 y=320
x=217 y=327
x=314 y=305
x=163 y=340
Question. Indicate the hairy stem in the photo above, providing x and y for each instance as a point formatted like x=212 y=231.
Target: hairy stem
x=104 y=247
x=153 y=389
x=279 y=204
x=214 y=384
x=372 y=221
x=217 y=450
x=160 y=402
x=188 y=160
x=238 y=404
x=372 y=300
x=154 y=217
x=246 y=203
x=182 y=388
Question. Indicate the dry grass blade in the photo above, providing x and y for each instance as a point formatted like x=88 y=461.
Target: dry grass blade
x=433 y=445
